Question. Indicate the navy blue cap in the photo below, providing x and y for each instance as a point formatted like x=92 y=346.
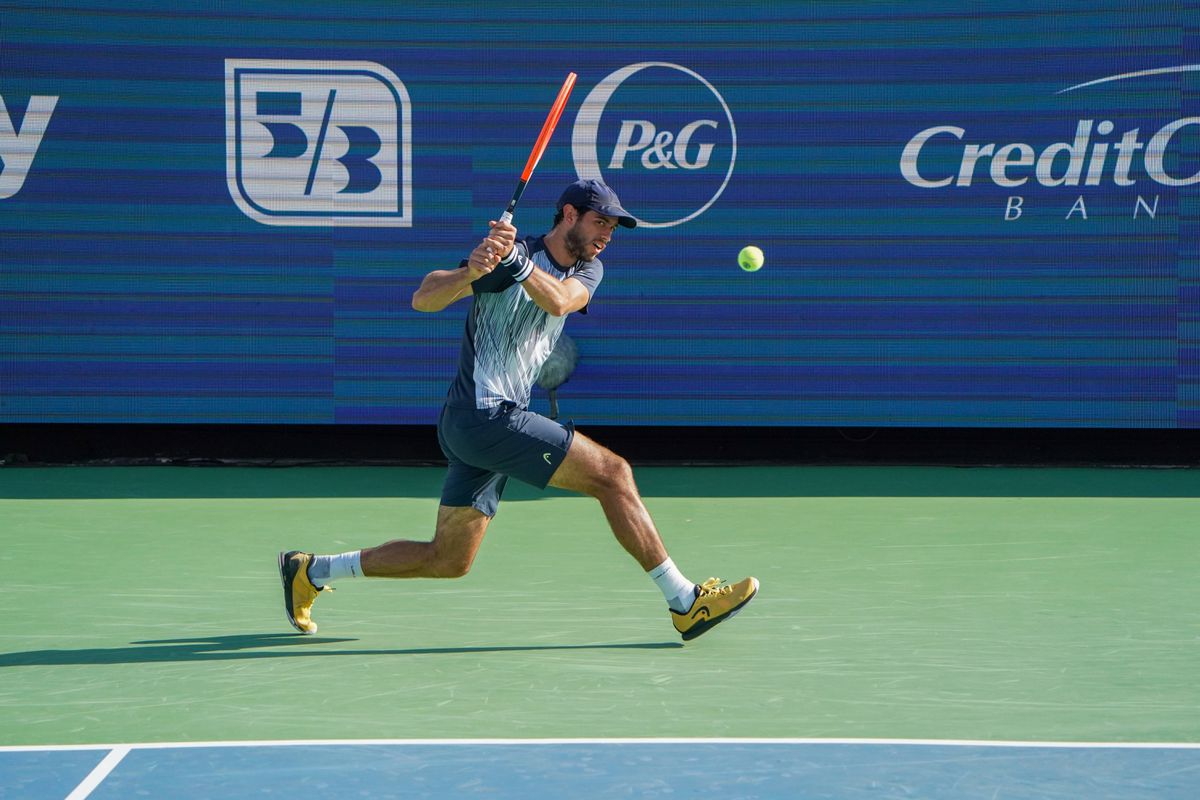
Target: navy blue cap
x=597 y=196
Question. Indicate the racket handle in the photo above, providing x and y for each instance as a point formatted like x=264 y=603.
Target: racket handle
x=512 y=204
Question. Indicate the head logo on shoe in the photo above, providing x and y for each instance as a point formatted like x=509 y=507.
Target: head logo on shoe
x=715 y=602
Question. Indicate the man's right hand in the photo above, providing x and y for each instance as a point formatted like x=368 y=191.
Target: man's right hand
x=485 y=257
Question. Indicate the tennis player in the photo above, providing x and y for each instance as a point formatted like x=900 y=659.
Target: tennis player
x=522 y=293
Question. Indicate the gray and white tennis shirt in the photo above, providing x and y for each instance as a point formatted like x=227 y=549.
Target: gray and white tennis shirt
x=508 y=336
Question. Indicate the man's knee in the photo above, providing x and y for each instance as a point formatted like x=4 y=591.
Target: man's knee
x=613 y=475
x=450 y=566
x=448 y=561
x=594 y=470
x=459 y=534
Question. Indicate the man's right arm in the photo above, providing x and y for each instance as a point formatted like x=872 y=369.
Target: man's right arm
x=442 y=287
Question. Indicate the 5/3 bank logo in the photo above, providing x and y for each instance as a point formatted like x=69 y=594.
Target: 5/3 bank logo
x=318 y=142
x=662 y=136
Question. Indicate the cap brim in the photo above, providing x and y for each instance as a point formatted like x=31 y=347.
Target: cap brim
x=624 y=218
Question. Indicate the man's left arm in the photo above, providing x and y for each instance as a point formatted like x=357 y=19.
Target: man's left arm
x=555 y=297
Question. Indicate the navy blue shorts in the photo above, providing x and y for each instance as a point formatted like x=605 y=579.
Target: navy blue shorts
x=485 y=447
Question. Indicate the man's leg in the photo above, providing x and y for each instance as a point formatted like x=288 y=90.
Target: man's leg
x=595 y=470
x=456 y=540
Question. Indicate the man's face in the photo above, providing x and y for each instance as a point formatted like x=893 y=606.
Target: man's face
x=589 y=235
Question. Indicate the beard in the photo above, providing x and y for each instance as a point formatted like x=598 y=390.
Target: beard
x=574 y=243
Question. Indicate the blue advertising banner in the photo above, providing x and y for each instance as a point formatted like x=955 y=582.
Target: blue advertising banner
x=980 y=215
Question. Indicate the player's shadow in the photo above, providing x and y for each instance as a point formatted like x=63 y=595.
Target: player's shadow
x=267 y=645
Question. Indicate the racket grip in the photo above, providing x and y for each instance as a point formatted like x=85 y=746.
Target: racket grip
x=512 y=204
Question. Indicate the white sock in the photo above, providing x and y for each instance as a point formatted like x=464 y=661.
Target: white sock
x=324 y=569
x=679 y=591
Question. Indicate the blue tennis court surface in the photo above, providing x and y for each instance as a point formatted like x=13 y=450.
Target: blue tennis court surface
x=615 y=768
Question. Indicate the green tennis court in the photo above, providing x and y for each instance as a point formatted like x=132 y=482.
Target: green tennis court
x=982 y=604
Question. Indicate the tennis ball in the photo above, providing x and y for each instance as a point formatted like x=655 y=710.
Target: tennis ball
x=750 y=259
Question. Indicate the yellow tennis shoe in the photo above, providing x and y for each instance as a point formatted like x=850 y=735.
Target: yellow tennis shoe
x=298 y=591
x=715 y=602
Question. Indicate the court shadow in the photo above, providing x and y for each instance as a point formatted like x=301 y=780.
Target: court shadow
x=268 y=645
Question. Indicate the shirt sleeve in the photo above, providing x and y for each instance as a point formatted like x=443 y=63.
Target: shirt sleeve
x=590 y=273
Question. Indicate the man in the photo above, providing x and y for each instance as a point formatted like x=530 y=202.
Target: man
x=522 y=293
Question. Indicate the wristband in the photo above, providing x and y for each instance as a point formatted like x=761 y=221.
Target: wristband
x=519 y=266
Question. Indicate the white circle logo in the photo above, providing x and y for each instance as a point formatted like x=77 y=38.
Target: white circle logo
x=669 y=142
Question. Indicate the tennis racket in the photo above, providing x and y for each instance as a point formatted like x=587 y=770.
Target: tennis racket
x=539 y=146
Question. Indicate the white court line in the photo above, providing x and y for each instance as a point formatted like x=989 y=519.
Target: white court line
x=97 y=775
x=123 y=749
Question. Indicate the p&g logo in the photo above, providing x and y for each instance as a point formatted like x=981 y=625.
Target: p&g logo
x=318 y=142
x=672 y=138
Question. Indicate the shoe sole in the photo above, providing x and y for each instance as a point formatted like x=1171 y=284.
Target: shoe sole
x=287 y=593
x=704 y=627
